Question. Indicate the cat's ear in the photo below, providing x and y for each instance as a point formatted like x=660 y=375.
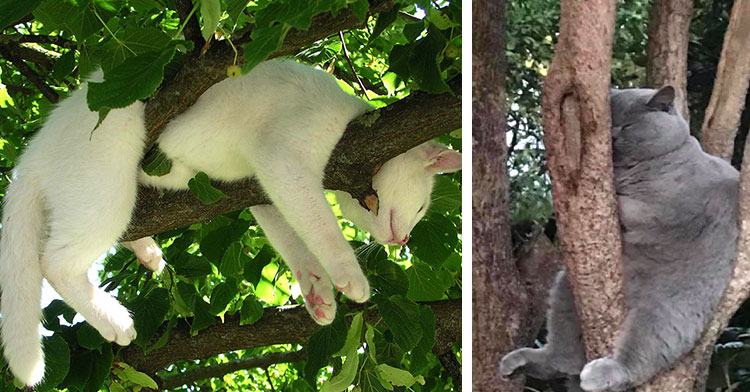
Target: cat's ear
x=440 y=159
x=662 y=99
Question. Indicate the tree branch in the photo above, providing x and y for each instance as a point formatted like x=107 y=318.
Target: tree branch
x=192 y=30
x=200 y=73
x=368 y=141
x=261 y=361
x=7 y=51
x=282 y=325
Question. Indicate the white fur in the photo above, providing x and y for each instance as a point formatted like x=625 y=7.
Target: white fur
x=278 y=123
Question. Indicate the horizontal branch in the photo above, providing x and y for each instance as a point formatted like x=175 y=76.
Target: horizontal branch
x=261 y=361
x=281 y=325
x=7 y=51
x=365 y=144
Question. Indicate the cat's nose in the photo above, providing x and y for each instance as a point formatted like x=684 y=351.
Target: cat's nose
x=403 y=241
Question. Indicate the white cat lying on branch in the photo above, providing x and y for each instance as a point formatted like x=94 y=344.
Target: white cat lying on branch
x=75 y=192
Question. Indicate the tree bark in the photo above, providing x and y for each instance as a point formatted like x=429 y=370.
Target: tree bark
x=732 y=77
x=668 y=37
x=368 y=141
x=497 y=292
x=282 y=325
x=577 y=136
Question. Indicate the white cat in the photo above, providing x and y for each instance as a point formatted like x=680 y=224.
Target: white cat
x=75 y=192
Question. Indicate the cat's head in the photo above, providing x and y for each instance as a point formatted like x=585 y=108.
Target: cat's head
x=645 y=124
x=404 y=187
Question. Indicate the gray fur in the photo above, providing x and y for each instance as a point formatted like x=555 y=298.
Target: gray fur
x=678 y=215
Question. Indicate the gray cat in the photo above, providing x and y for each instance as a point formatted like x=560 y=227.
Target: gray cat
x=678 y=215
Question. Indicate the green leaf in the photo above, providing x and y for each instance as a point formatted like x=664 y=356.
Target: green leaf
x=149 y=313
x=353 y=337
x=401 y=315
x=251 y=311
x=359 y=8
x=322 y=344
x=221 y=296
x=446 y=196
x=235 y=8
x=64 y=65
x=219 y=236
x=80 y=17
x=264 y=41
x=101 y=364
x=369 y=380
x=233 y=260
x=201 y=187
x=56 y=308
x=80 y=370
x=418 y=356
x=137 y=377
x=423 y=64
x=135 y=78
x=89 y=338
x=424 y=284
x=342 y=381
x=384 y=20
x=254 y=267
x=191 y=266
x=13 y=10
x=211 y=12
x=397 y=377
x=132 y=41
x=203 y=318
x=387 y=277
x=156 y=162
x=433 y=239
x=57 y=362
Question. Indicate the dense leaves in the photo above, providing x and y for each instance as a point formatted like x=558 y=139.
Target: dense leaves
x=226 y=267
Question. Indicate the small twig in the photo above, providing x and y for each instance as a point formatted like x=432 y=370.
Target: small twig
x=268 y=376
x=39 y=39
x=349 y=60
x=192 y=30
x=30 y=74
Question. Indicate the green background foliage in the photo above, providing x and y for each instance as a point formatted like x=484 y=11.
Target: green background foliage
x=226 y=267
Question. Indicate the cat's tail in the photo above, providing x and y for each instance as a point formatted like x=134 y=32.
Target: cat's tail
x=21 y=279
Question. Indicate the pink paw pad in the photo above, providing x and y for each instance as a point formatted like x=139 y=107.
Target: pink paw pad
x=319 y=314
x=299 y=275
x=339 y=288
x=310 y=297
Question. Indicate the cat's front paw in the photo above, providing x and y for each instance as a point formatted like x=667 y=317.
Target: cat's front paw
x=512 y=362
x=319 y=299
x=605 y=374
x=350 y=280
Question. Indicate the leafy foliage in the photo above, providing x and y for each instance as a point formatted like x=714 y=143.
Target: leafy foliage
x=226 y=267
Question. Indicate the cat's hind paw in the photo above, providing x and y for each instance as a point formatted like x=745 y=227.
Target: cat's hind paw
x=148 y=253
x=512 y=362
x=319 y=299
x=113 y=321
x=605 y=374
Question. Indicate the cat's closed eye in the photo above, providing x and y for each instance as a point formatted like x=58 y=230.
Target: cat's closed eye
x=420 y=209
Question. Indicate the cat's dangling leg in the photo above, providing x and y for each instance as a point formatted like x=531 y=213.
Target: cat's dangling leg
x=65 y=265
x=297 y=192
x=564 y=353
x=148 y=253
x=653 y=337
x=312 y=277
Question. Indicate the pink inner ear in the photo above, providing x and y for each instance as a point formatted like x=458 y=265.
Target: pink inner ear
x=447 y=161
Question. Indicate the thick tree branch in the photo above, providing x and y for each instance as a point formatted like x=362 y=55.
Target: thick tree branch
x=368 y=141
x=282 y=325
x=200 y=73
x=668 y=29
x=192 y=30
x=8 y=52
x=261 y=361
x=577 y=136
x=722 y=115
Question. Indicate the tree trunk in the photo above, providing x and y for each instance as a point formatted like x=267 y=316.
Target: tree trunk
x=496 y=285
x=577 y=136
x=719 y=129
x=722 y=116
x=668 y=36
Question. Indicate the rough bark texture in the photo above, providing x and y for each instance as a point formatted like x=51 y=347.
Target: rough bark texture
x=577 y=136
x=719 y=128
x=722 y=114
x=498 y=295
x=282 y=325
x=668 y=28
x=368 y=141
